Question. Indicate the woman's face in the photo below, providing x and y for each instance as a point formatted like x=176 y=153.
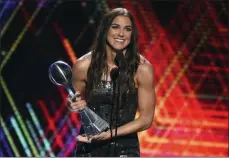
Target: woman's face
x=119 y=34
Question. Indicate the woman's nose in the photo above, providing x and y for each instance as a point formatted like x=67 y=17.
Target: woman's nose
x=121 y=32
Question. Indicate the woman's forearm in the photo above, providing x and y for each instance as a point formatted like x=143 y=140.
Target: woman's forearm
x=137 y=125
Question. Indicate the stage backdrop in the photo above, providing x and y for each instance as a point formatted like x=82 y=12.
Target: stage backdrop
x=186 y=41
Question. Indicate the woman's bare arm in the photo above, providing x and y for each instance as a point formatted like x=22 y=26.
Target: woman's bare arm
x=79 y=73
x=146 y=101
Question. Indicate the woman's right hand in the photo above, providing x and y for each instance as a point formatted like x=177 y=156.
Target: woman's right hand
x=76 y=103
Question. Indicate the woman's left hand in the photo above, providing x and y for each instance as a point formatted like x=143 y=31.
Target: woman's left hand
x=101 y=136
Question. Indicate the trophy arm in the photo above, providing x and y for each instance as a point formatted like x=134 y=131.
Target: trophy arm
x=70 y=91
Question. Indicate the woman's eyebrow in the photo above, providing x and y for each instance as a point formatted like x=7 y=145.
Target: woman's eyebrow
x=119 y=25
x=114 y=24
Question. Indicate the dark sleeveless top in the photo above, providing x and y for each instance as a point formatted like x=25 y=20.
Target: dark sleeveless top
x=101 y=102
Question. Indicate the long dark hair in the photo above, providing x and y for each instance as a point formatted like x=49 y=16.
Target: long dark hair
x=98 y=65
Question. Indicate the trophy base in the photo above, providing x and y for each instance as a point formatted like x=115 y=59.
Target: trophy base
x=92 y=123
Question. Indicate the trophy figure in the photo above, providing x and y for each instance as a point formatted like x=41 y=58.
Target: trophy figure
x=60 y=73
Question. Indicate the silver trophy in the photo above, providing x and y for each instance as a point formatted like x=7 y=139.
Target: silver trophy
x=60 y=73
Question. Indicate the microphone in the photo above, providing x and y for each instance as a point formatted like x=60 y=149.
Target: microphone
x=119 y=59
x=114 y=74
x=119 y=62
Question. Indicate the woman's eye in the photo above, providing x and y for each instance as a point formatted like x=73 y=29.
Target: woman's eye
x=114 y=27
x=128 y=29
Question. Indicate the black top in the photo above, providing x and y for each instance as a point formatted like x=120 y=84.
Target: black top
x=101 y=102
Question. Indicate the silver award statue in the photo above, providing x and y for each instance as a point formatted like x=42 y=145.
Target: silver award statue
x=60 y=73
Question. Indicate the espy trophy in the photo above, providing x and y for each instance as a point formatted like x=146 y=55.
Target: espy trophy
x=60 y=73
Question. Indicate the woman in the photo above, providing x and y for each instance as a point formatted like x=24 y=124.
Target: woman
x=91 y=76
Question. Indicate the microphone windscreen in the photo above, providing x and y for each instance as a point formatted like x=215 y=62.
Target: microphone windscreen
x=114 y=74
x=119 y=59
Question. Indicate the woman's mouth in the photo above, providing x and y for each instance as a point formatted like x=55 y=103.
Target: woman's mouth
x=119 y=40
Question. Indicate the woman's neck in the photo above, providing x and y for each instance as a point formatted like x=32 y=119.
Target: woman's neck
x=110 y=56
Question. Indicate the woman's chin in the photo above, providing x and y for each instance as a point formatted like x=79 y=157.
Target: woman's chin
x=119 y=48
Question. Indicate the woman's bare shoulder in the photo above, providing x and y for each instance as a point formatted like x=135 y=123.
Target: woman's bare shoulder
x=145 y=67
x=83 y=62
x=143 y=60
x=145 y=71
x=80 y=67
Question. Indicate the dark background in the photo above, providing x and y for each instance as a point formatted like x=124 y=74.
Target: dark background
x=26 y=70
